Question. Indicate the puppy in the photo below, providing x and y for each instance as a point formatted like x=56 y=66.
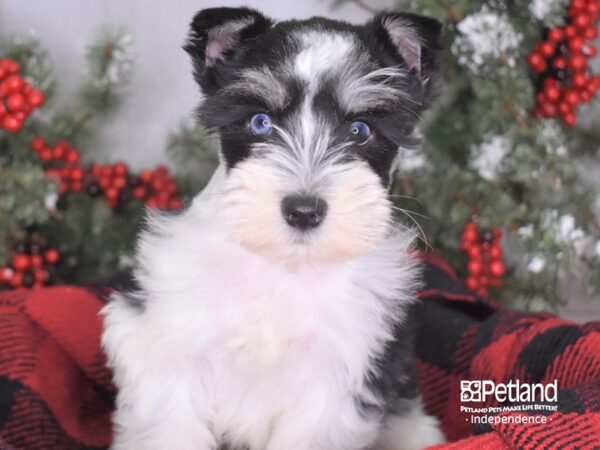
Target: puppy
x=271 y=313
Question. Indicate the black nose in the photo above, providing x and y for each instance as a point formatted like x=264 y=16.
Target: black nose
x=303 y=212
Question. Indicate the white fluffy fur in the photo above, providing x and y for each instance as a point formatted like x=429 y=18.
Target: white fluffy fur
x=412 y=430
x=252 y=332
x=232 y=344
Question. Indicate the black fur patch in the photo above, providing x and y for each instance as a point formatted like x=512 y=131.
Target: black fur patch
x=395 y=380
x=263 y=44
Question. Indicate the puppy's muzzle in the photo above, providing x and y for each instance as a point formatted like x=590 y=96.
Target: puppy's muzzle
x=303 y=212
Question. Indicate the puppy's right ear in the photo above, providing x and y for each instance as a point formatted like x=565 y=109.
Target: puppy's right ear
x=215 y=36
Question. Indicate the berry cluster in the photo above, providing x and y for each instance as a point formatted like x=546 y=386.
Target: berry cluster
x=18 y=98
x=30 y=266
x=485 y=266
x=561 y=59
x=156 y=188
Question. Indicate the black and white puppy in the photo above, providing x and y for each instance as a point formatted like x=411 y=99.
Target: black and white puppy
x=271 y=313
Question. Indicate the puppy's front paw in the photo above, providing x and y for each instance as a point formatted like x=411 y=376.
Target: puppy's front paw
x=412 y=430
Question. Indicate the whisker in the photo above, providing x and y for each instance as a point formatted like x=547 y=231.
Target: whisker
x=422 y=236
x=397 y=208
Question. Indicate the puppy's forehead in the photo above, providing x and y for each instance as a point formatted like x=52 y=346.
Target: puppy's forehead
x=322 y=53
x=307 y=60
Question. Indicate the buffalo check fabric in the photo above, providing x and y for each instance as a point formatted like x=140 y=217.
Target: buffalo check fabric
x=55 y=391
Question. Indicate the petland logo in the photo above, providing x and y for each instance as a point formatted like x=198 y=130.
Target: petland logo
x=514 y=391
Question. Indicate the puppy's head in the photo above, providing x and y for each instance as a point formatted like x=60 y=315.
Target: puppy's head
x=311 y=115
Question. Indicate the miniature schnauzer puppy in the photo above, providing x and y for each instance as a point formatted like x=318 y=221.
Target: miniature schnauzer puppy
x=271 y=314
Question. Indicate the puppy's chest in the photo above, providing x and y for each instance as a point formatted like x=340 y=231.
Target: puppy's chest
x=263 y=322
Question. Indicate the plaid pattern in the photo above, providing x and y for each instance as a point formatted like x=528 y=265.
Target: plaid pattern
x=55 y=392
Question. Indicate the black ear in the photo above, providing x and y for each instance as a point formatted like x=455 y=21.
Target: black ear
x=411 y=39
x=216 y=34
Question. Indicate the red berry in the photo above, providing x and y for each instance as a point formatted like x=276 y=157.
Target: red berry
x=497 y=268
x=577 y=5
x=590 y=33
x=556 y=35
x=162 y=203
x=77 y=174
x=76 y=186
x=38 y=144
x=146 y=176
x=10 y=66
x=547 y=49
x=552 y=93
x=175 y=203
x=549 y=109
x=46 y=155
x=536 y=62
x=482 y=292
x=569 y=119
x=560 y=63
x=472 y=283
x=572 y=97
x=582 y=21
x=471 y=234
x=73 y=156
x=41 y=275
x=6 y=273
x=576 y=43
x=21 y=262
x=495 y=252
x=36 y=98
x=589 y=51
x=15 y=102
x=95 y=170
x=139 y=193
x=475 y=267
x=471 y=226
x=12 y=124
x=37 y=261
x=120 y=169
x=16 y=280
x=484 y=280
x=570 y=31
x=171 y=188
x=52 y=256
x=564 y=108
x=579 y=80
x=158 y=184
x=585 y=96
x=105 y=171
x=104 y=182
x=475 y=251
x=577 y=61
x=111 y=193
x=119 y=182
x=59 y=152
x=13 y=84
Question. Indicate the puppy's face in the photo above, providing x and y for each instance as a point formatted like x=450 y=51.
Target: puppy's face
x=311 y=115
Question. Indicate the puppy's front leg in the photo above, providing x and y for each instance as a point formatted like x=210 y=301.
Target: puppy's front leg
x=323 y=420
x=161 y=414
x=410 y=429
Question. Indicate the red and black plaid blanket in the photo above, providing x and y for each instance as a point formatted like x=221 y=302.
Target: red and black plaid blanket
x=55 y=392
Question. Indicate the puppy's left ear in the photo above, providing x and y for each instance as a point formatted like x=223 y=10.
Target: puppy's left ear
x=407 y=39
x=217 y=35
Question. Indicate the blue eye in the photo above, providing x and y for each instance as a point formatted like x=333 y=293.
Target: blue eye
x=361 y=132
x=261 y=125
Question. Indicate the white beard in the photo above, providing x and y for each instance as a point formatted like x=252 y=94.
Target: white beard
x=232 y=347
